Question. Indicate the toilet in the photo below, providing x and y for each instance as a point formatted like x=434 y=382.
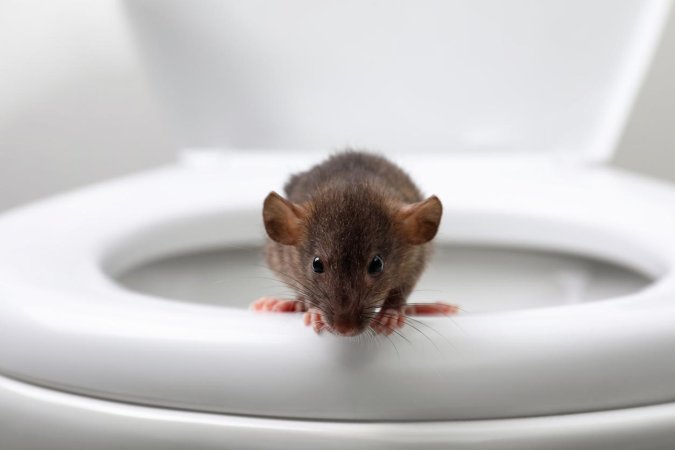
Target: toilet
x=123 y=305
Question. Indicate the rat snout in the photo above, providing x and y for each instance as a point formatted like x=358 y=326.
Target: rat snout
x=344 y=329
x=346 y=324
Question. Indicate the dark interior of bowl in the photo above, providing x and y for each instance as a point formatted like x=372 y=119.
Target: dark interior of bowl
x=477 y=278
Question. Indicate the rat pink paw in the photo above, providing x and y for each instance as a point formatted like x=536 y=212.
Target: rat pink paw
x=278 y=305
x=314 y=318
x=431 y=309
x=388 y=320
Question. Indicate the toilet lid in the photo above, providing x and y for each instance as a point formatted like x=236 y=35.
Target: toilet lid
x=66 y=324
x=546 y=78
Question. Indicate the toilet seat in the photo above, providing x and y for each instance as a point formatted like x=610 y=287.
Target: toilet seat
x=65 y=324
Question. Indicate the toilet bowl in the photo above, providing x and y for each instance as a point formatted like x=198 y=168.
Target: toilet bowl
x=76 y=335
x=123 y=318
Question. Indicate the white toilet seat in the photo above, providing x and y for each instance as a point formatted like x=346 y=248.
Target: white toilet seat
x=65 y=324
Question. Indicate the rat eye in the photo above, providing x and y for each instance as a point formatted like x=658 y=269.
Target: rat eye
x=317 y=265
x=376 y=266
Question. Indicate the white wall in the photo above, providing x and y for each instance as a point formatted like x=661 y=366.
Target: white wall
x=75 y=107
x=648 y=143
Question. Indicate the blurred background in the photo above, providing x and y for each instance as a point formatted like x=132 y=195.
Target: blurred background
x=75 y=106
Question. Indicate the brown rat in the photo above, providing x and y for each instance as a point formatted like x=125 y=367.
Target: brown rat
x=351 y=238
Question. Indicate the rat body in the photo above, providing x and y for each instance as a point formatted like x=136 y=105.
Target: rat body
x=351 y=239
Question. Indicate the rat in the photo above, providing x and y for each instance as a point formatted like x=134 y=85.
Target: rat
x=351 y=238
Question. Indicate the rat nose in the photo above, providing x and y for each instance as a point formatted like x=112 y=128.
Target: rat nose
x=344 y=329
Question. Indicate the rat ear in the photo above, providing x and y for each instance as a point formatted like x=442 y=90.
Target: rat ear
x=419 y=221
x=283 y=219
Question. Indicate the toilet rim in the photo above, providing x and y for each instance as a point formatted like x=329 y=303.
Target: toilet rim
x=165 y=341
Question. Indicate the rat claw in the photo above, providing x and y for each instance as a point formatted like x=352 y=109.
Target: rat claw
x=387 y=320
x=289 y=306
x=277 y=305
x=259 y=304
x=315 y=319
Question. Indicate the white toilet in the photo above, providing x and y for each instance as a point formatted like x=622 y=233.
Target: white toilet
x=123 y=320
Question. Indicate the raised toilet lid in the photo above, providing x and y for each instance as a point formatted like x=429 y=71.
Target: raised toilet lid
x=547 y=78
x=65 y=324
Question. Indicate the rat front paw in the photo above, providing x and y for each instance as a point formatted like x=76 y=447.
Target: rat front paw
x=388 y=320
x=431 y=309
x=314 y=318
x=278 y=305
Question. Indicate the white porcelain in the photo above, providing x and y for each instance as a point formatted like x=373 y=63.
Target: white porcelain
x=554 y=78
x=72 y=328
x=36 y=418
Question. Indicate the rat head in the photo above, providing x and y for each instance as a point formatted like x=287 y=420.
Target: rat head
x=349 y=248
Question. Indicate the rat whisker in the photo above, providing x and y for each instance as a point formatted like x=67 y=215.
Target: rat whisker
x=392 y=329
x=309 y=291
x=297 y=285
x=426 y=290
x=417 y=329
x=390 y=339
